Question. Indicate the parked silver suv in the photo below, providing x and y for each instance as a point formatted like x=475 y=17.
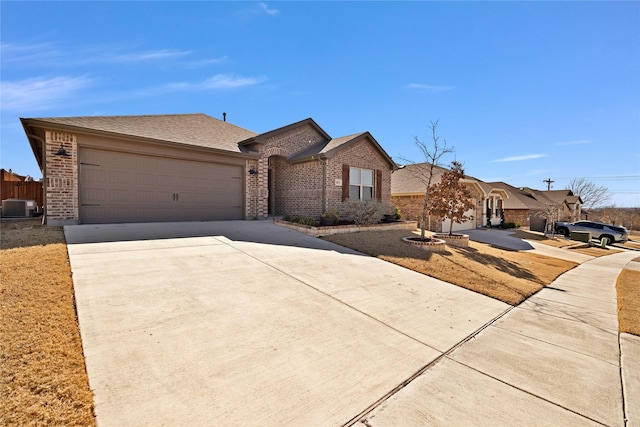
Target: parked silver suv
x=603 y=232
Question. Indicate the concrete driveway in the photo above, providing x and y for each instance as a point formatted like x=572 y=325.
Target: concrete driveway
x=249 y=323
x=498 y=238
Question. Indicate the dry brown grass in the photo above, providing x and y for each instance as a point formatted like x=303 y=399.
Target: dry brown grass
x=632 y=244
x=505 y=275
x=560 y=242
x=629 y=301
x=43 y=379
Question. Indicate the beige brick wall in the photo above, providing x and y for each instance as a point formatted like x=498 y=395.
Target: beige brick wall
x=61 y=184
x=520 y=216
x=364 y=155
x=293 y=141
x=411 y=209
x=252 y=190
x=304 y=188
x=298 y=187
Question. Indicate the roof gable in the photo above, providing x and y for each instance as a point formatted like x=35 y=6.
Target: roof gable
x=262 y=138
x=330 y=148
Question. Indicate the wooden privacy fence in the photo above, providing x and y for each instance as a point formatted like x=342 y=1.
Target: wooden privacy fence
x=22 y=190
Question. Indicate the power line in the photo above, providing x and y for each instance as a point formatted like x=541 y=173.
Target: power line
x=609 y=177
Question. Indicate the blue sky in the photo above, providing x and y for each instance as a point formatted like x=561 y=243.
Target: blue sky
x=524 y=91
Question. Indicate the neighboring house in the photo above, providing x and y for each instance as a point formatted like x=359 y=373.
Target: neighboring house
x=193 y=167
x=408 y=190
x=570 y=204
x=527 y=206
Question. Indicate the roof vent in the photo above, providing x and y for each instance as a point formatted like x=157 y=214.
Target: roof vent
x=224 y=117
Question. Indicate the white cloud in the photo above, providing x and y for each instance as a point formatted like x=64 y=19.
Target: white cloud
x=41 y=92
x=210 y=61
x=519 y=158
x=218 y=82
x=57 y=55
x=151 y=55
x=575 y=142
x=263 y=8
x=429 y=88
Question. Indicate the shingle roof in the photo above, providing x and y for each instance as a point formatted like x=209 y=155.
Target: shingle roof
x=518 y=198
x=327 y=149
x=189 y=129
x=407 y=180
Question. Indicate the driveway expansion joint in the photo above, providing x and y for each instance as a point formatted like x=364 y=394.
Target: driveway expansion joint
x=361 y=417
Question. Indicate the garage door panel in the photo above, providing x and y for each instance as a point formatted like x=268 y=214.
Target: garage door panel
x=125 y=187
x=145 y=179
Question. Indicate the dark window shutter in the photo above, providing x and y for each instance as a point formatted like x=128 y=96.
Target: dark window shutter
x=345 y=182
x=378 y=184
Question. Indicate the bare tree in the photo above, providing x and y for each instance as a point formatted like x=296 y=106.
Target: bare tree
x=432 y=153
x=451 y=199
x=591 y=194
x=550 y=213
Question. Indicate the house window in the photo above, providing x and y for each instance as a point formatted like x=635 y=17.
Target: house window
x=360 y=184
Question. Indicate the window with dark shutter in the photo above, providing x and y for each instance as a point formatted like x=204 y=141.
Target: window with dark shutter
x=345 y=182
x=378 y=185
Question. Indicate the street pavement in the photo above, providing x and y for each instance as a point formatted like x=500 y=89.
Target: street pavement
x=249 y=323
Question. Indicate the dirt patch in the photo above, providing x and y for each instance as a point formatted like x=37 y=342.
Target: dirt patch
x=26 y=233
x=508 y=276
x=43 y=378
x=629 y=301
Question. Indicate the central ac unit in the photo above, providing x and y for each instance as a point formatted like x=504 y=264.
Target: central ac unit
x=18 y=208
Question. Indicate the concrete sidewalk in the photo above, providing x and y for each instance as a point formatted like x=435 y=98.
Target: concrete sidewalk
x=553 y=360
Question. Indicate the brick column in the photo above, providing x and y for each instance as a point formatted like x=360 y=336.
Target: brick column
x=251 y=190
x=61 y=182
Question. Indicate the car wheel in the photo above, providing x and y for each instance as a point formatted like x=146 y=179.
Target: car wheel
x=607 y=240
x=563 y=230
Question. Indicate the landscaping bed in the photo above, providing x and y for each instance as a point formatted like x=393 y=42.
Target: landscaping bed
x=43 y=379
x=320 y=230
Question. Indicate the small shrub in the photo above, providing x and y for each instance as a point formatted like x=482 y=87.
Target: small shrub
x=330 y=217
x=511 y=225
x=396 y=212
x=365 y=212
x=305 y=220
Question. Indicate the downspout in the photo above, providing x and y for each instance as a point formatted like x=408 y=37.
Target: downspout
x=324 y=184
x=44 y=177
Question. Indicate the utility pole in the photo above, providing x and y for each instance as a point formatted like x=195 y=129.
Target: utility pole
x=548 y=181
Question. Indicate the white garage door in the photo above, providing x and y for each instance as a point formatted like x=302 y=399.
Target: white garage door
x=122 y=187
x=468 y=225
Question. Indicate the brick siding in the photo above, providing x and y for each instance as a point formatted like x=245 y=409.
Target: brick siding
x=520 y=216
x=361 y=154
x=309 y=188
x=411 y=210
x=61 y=184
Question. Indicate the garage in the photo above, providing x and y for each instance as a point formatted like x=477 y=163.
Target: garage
x=118 y=187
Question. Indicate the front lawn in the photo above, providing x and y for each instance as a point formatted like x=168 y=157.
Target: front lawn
x=43 y=379
x=628 y=290
x=508 y=276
